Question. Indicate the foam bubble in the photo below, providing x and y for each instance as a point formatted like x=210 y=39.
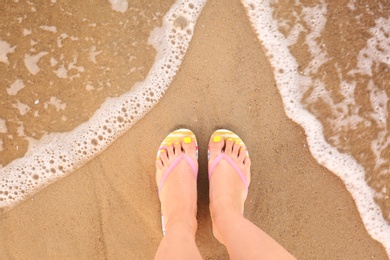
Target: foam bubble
x=30 y=61
x=5 y=49
x=377 y=49
x=15 y=87
x=289 y=81
x=23 y=108
x=351 y=5
x=119 y=5
x=52 y=29
x=26 y=32
x=56 y=103
x=3 y=126
x=57 y=154
x=93 y=53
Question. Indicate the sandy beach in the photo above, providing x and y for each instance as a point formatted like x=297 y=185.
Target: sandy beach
x=109 y=208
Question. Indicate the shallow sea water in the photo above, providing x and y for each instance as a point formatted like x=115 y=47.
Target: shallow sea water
x=72 y=82
x=70 y=89
x=331 y=63
x=60 y=62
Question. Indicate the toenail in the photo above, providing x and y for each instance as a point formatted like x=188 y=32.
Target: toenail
x=169 y=143
x=217 y=139
x=187 y=140
x=242 y=148
x=230 y=139
x=177 y=142
x=162 y=151
x=237 y=142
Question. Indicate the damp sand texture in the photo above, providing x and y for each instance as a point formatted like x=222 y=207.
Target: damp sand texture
x=108 y=207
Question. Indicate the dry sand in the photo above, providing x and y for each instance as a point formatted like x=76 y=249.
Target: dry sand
x=109 y=208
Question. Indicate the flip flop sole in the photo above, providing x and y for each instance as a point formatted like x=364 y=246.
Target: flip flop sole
x=229 y=134
x=178 y=134
x=226 y=134
x=174 y=136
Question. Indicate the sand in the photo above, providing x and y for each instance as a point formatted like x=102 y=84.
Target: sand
x=109 y=208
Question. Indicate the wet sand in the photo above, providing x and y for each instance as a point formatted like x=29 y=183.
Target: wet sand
x=109 y=208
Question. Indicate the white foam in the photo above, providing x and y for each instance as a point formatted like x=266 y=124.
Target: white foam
x=23 y=108
x=56 y=103
x=61 y=72
x=53 y=61
x=288 y=81
x=119 y=5
x=377 y=49
x=351 y=5
x=5 y=49
x=32 y=42
x=20 y=130
x=60 y=38
x=316 y=20
x=3 y=126
x=57 y=154
x=26 y=32
x=93 y=53
x=30 y=61
x=89 y=87
x=379 y=102
x=15 y=87
x=63 y=69
x=48 y=28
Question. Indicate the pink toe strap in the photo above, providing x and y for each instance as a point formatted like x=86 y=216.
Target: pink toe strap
x=232 y=163
x=173 y=165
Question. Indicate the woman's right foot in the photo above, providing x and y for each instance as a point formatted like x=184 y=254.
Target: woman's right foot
x=178 y=194
x=227 y=190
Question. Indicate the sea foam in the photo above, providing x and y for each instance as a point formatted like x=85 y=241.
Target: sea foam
x=292 y=82
x=5 y=49
x=58 y=154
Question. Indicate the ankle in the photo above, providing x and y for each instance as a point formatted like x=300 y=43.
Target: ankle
x=222 y=213
x=223 y=217
x=183 y=224
x=226 y=206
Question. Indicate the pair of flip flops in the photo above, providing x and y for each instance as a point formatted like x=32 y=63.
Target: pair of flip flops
x=179 y=135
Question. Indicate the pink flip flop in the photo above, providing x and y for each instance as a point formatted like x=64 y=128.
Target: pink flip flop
x=174 y=136
x=225 y=134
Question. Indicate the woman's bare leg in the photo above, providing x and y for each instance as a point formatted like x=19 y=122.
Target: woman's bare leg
x=242 y=238
x=178 y=203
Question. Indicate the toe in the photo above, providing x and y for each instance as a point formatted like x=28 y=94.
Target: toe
x=189 y=146
x=164 y=157
x=242 y=155
x=159 y=163
x=216 y=145
x=236 y=149
x=247 y=161
x=170 y=151
x=229 y=146
x=177 y=148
